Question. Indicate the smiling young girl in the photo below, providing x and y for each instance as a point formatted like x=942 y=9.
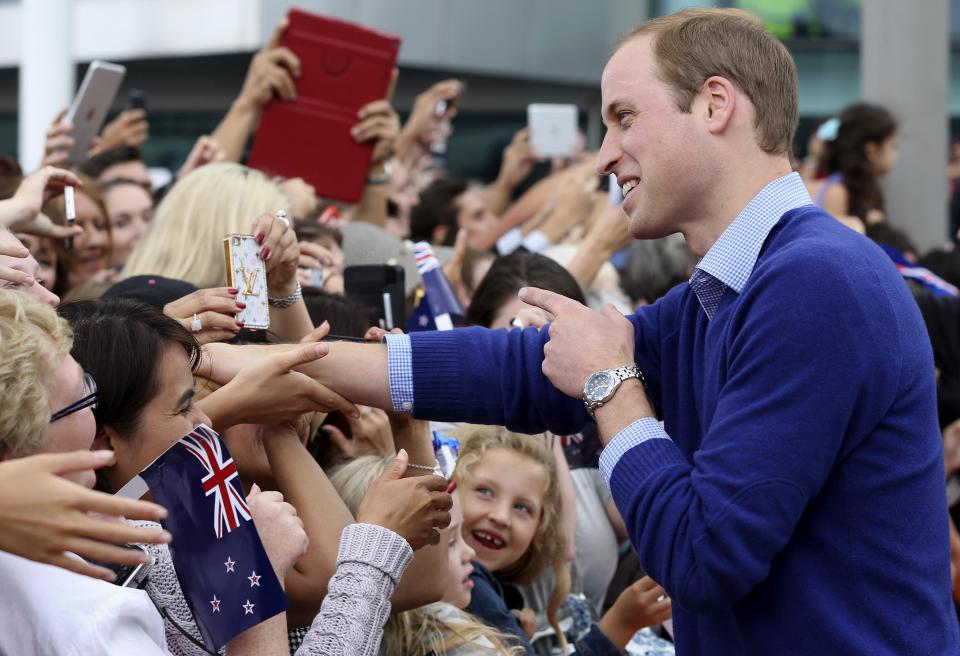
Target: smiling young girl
x=512 y=518
x=438 y=629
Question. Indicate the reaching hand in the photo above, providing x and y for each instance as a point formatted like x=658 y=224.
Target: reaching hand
x=582 y=340
x=518 y=160
x=641 y=605
x=370 y=434
x=280 y=529
x=271 y=73
x=216 y=308
x=423 y=121
x=129 y=128
x=22 y=212
x=414 y=508
x=204 y=151
x=267 y=391
x=43 y=515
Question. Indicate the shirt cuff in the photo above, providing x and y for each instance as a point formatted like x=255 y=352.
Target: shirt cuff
x=643 y=429
x=510 y=241
x=536 y=242
x=400 y=372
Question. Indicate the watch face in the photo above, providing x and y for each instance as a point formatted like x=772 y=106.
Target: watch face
x=598 y=386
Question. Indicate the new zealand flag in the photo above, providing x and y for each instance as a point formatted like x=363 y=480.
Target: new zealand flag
x=222 y=567
x=439 y=308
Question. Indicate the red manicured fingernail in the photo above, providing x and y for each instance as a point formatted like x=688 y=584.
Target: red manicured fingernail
x=260 y=238
x=240 y=324
x=241 y=305
x=233 y=291
x=451 y=487
x=266 y=253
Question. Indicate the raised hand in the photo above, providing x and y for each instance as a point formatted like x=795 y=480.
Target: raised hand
x=44 y=515
x=216 y=309
x=414 y=508
x=272 y=72
x=205 y=151
x=280 y=251
x=641 y=605
x=129 y=128
x=22 y=212
x=280 y=529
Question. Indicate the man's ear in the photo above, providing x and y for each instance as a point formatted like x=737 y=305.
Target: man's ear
x=720 y=99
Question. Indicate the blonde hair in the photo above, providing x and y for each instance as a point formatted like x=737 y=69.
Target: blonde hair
x=548 y=546
x=185 y=238
x=33 y=340
x=434 y=629
x=694 y=44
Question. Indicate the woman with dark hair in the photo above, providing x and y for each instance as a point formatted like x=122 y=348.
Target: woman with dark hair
x=495 y=303
x=864 y=149
x=144 y=363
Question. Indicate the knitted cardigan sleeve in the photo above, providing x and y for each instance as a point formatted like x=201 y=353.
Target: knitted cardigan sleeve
x=370 y=563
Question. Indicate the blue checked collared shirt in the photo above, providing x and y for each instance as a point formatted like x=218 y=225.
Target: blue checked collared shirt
x=727 y=265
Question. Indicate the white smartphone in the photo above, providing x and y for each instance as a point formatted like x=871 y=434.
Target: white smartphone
x=91 y=104
x=248 y=273
x=553 y=129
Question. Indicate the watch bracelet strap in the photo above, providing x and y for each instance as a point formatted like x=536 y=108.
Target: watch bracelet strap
x=621 y=373
x=629 y=371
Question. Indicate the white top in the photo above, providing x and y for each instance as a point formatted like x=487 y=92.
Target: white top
x=48 y=610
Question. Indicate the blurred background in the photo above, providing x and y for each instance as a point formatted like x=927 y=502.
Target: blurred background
x=189 y=58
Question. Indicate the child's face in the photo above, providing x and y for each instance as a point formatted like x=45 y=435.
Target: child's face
x=502 y=504
x=459 y=555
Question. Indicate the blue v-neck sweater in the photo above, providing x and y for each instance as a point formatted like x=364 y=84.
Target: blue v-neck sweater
x=798 y=506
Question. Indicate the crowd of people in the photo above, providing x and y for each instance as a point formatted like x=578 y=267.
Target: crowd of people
x=782 y=437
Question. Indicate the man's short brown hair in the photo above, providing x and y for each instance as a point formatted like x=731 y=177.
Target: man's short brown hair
x=695 y=44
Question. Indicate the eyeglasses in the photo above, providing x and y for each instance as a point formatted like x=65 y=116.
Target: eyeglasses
x=88 y=400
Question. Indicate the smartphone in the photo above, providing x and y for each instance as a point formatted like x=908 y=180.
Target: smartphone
x=137 y=99
x=553 y=129
x=345 y=338
x=314 y=278
x=129 y=576
x=379 y=287
x=247 y=272
x=69 y=211
x=91 y=104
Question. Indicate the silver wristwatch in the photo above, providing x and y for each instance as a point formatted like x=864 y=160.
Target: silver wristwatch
x=603 y=384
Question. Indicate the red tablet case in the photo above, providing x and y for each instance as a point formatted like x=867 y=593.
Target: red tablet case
x=343 y=67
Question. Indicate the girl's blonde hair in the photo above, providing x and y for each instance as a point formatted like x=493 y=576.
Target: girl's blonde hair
x=431 y=630
x=185 y=238
x=548 y=546
x=33 y=340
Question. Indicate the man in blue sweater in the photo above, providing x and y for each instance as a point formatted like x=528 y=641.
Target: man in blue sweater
x=793 y=500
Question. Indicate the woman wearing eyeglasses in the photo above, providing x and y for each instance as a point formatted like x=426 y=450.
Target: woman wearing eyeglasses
x=47 y=409
x=143 y=362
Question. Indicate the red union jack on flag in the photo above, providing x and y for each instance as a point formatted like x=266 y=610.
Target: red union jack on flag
x=230 y=507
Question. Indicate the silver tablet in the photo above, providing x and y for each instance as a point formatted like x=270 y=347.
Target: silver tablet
x=553 y=129
x=91 y=104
